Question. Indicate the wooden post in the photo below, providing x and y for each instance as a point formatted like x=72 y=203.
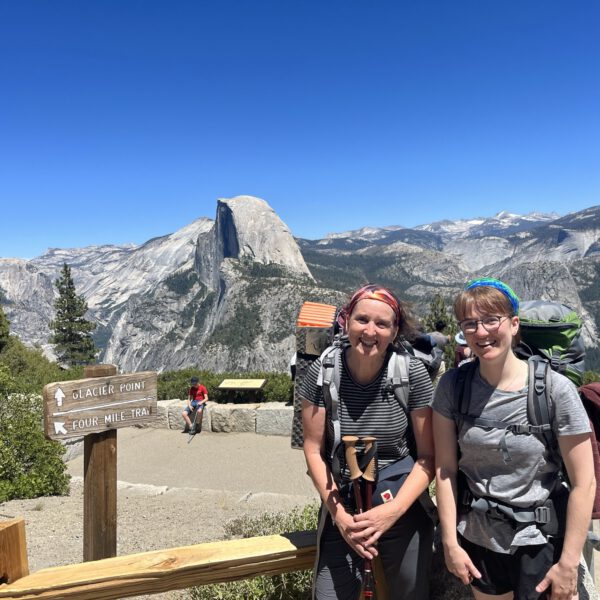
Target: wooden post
x=100 y=486
x=13 y=551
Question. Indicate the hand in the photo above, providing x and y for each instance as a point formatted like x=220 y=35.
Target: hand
x=562 y=581
x=348 y=528
x=373 y=523
x=460 y=564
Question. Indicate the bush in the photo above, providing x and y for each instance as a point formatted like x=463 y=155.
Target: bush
x=291 y=586
x=175 y=384
x=590 y=377
x=30 y=465
x=31 y=369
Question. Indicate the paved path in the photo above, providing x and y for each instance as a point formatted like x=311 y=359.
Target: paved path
x=238 y=462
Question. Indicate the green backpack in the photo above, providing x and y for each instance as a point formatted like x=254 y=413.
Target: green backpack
x=553 y=331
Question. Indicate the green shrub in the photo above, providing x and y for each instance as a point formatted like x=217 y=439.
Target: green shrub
x=30 y=465
x=31 y=369
x=291 y=586
x=590 y=377
x=175 y=384
x=279 y=388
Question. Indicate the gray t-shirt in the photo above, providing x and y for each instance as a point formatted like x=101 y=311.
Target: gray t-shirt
x=528 y=478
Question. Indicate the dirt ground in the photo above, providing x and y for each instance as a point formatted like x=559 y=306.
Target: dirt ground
x=170 y=493
x=174 y=493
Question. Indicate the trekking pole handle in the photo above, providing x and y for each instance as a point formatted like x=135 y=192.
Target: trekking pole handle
x=370 y=472
x=351 y=460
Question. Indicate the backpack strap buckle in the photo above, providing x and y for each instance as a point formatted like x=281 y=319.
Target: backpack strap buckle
x=521 y=428
x=543 y=515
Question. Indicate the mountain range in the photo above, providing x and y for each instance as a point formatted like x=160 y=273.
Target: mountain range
x=224 y=293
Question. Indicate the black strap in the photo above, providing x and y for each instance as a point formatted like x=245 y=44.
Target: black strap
x=367 y=456
x=538 y=397
x=462 y=390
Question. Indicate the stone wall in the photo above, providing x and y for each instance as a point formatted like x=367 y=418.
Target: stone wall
x=268 y=418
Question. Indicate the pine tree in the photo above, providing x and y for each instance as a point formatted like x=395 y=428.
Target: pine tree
x=4 y=329
x=72 y=332
x=438 y=311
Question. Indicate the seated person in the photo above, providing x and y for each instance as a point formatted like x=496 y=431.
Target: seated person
x=197 y=398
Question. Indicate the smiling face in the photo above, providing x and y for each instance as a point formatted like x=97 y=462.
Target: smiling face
x=371 y=328
x=491 y=346
x=480 y=303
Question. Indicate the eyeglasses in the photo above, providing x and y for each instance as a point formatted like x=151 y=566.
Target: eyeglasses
x=490 y=324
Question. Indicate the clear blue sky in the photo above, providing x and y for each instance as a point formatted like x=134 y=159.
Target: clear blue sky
x=121 y=120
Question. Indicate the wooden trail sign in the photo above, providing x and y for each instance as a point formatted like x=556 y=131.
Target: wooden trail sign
x=97 y=404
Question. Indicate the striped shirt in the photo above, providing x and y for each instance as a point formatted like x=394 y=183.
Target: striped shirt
x=371 y=409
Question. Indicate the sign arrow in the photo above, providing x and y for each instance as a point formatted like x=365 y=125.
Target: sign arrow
x=58 y=428
x=59 y=396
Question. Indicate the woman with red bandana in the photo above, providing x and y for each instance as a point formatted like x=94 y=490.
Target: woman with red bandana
x=399 y=531
x=493 y=534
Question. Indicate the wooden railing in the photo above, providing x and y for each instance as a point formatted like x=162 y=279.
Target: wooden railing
x=150 y=572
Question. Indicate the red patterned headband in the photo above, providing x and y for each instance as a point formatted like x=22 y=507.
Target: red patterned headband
x=370 y=292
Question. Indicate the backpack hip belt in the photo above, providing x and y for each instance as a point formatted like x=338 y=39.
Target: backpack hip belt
x=545 y=516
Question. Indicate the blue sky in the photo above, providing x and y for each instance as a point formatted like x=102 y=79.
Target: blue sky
x=122 y=120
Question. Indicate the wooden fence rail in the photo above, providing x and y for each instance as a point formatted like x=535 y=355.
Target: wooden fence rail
x=165 y=570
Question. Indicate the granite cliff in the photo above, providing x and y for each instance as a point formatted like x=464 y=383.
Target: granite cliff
x=224 y=293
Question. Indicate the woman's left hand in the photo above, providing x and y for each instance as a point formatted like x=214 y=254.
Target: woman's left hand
x=561 y=580
x=374 y=523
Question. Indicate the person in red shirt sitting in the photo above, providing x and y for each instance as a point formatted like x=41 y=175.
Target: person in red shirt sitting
x=197 y=398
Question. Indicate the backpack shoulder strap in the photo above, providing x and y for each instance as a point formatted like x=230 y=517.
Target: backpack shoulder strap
x=462 y=390
x=330 y=379
x=398 y=379
x=539 y=404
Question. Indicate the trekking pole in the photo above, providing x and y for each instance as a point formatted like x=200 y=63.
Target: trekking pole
x=367 y=590
x=355 y=472
x=193 y=427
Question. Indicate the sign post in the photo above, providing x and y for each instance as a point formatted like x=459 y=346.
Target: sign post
x=95 y=408
x=100 y=486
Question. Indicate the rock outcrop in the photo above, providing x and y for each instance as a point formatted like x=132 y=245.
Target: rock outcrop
x=224 y=294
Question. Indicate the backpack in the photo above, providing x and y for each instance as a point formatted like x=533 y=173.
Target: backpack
x=550 y=339
x=316 y=329
x=432 y=361
x=590 y=396
x=553 y=331
x=539 y=415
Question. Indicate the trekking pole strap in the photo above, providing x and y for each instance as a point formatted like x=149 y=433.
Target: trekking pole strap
x=369 y=455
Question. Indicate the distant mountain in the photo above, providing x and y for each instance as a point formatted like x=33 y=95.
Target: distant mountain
x=224 y=293
x=502 y=224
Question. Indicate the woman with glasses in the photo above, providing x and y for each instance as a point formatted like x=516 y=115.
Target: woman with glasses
x=490 y=480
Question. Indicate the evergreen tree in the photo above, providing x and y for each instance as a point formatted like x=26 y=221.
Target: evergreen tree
x=438 y=311
x=72 y=332
x=4 y=329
